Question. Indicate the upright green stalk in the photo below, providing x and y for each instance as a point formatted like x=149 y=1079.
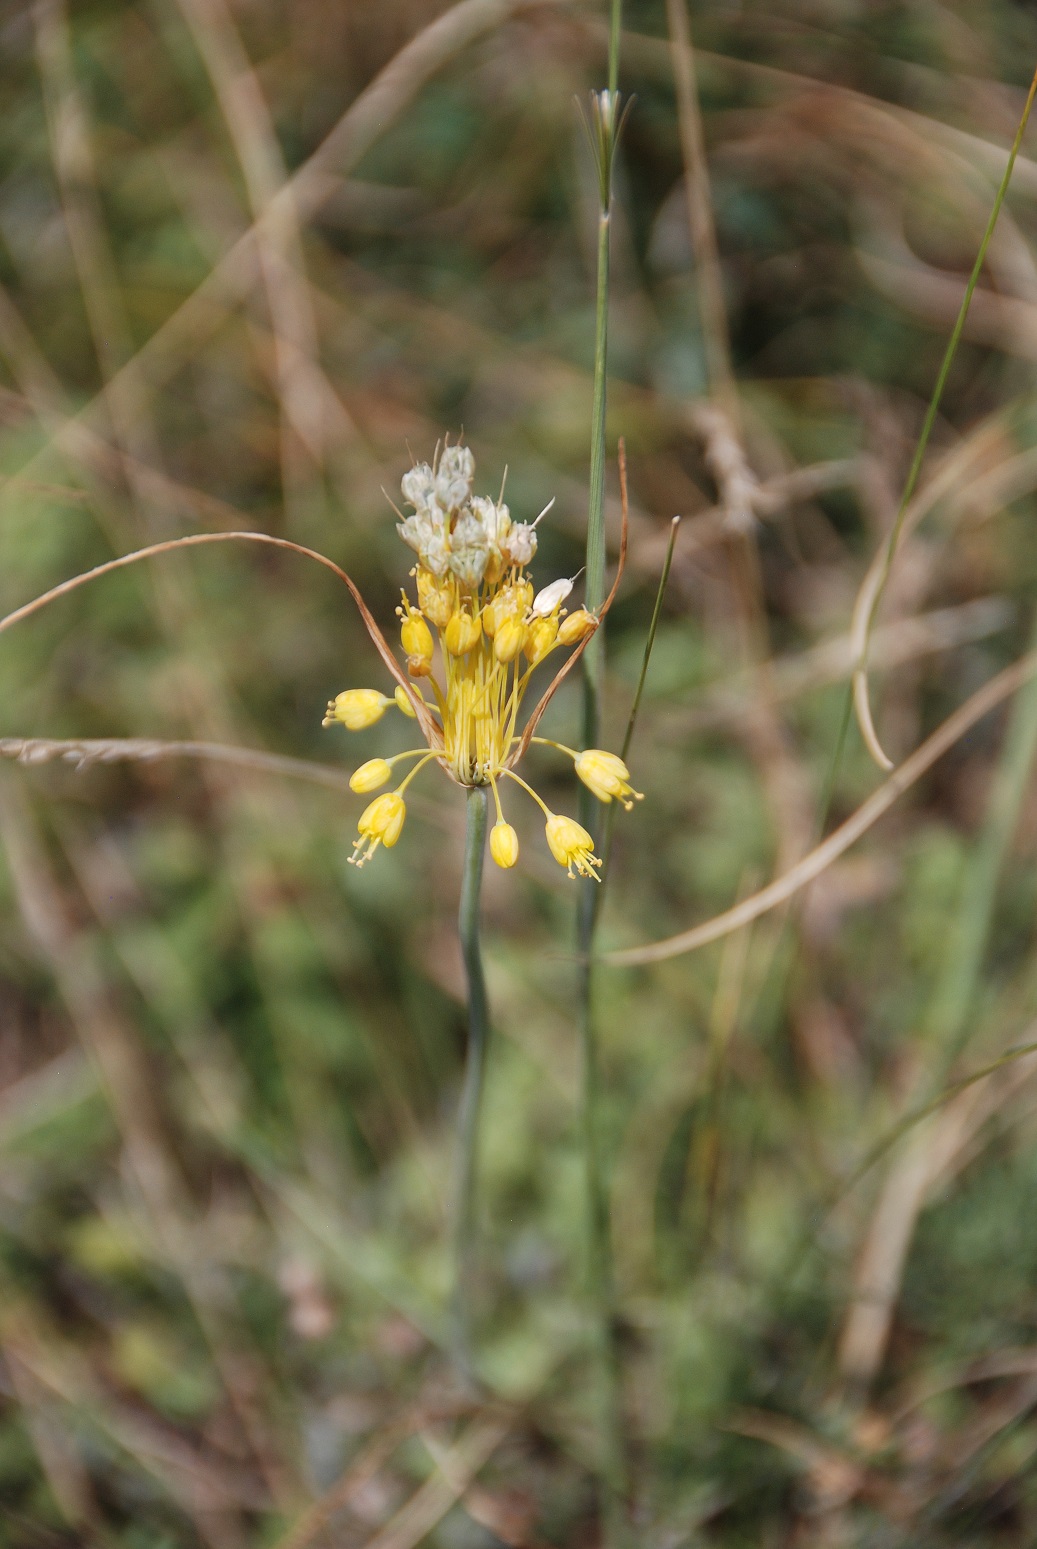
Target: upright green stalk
x=475 y=1070
x=604 y=127
x=951 y=1015
x=860 y=679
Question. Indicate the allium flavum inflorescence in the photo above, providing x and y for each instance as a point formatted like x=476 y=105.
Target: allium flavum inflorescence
x=473 y=593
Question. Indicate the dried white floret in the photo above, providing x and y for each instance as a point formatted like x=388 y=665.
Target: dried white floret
x=454 y=477
x=520 y=544
x=469 y=550
x=552 y=597
x=418 y=485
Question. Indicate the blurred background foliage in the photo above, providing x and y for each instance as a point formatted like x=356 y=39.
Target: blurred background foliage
x=229 y=1064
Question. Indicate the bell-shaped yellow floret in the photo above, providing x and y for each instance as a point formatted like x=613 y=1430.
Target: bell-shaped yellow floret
x=571 y=845
x=357 y=708
x=574 y=628
x=370 y=776
x=380 y=823
x=607 y=776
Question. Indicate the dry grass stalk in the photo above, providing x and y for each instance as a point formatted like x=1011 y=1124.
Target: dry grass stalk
x=937 y=1149
x=131 y=1090
x=302 y=390
x=455 y=1471
x=84 y=753
x=701 y=227
x=811 y=866
x=368 y=117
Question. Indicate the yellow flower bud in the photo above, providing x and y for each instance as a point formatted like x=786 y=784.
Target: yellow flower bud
x=571 y=845
x=357 y=708
x=607 y=776
x=369 y=776
x=509 y=639
x=416 y=635
x=576 y=626
x=404 y=702
x=435 y=597
x=462 y=633
x=504 y=845
x=416 y=638
x=541 y=637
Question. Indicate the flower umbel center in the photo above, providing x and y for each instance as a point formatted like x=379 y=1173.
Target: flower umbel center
x=493 y=631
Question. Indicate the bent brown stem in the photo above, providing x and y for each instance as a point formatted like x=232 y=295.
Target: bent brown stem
x=193 y=540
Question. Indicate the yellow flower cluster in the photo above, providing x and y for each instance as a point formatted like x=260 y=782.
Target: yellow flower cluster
x=493 y=631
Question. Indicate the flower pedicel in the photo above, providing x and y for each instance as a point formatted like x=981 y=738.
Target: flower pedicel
x=493 y=630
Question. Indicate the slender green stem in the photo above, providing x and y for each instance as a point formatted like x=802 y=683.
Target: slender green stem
x=610 y=812
x=594 y=584
x=475 y=1071
x=893 y=540
x=601 y=1280
x=650 y=641
x=612 y=1442
x=615 y=23
x=951 y=1015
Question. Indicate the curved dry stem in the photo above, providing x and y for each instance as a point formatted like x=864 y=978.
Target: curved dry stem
x=83 y=752
x=428 y=725
x=819 y=859
x=946 y=480
x=889 y=549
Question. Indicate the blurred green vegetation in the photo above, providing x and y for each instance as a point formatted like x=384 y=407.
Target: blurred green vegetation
x=229 y=1064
